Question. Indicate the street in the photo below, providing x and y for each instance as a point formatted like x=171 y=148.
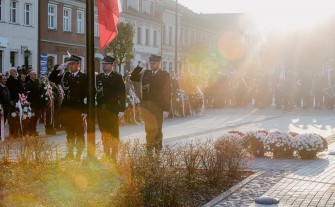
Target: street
x=219 y=121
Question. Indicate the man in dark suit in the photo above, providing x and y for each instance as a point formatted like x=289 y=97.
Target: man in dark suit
x=155 y=100
x=15 y=88
x=111 y=98
x=4 y=99
x=73 y=109
x=33 y=90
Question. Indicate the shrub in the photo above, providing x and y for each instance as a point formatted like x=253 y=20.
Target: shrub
x=230 y=155
x=279 y=143
x=307 y=145
x=254 y=142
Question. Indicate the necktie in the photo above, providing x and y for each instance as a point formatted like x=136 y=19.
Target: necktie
x=106 y=76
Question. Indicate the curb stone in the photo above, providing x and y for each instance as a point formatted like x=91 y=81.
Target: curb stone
x=232 y=190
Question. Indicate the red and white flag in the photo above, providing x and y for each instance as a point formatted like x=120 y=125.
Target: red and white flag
x=108 y=14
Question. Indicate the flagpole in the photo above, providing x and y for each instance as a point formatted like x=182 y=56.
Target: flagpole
x=91 y=76
x=176 y=41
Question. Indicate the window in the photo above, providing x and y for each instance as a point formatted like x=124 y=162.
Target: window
x=27 y=11
x=155 y=38
x=52 y=16
x=12 y=59
x=139 y=35
x=1 y=69
x=67 y=20
x=147 y=37
x=183 y=36
x=1 y=2
x=13 y=13
x=80 y=22
x=152 y=9
x=164 y=34
x=170 y=35
x=96 y=26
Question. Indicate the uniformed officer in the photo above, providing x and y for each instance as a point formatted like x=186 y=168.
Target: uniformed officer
x=73 y=109
x=111 y=103
x=155 y=100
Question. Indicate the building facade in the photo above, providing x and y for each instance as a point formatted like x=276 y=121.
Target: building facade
x=18 y=34
x=155 y=32
x=63 y=32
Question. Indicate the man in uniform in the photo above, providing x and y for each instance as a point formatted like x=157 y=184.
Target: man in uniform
x=155 y=100
x=73 y=109
x=111 y=98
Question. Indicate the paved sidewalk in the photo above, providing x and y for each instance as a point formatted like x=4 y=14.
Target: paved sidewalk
x=294 y=182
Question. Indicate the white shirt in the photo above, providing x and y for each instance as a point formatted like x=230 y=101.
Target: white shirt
x=106 y=75
x=155 y=72
x=75 y=74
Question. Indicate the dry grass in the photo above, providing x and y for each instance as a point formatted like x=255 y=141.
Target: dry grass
x=31 y=174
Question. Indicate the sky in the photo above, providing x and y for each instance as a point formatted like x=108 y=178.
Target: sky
x=254 y=6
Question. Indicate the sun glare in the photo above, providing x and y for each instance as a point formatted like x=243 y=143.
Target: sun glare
x=293 y=16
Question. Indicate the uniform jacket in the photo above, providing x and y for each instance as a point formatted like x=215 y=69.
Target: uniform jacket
x=15 y=88
x=75 y=91
x=34 y=94
x=110 y=92
x=53 y=77
x=5 y=98
x=155 y=88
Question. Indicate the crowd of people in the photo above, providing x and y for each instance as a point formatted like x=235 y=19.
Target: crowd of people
x=59 y=100
x=286 y=89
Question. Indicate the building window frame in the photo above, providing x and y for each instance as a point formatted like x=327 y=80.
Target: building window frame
x=170 y=35
x=52 y=16
x=80 y=22
x=155 y=39
x=139 y=36
x=147 y=37
x=1 y=9
x=152 y=8
x=13 y=12
x=27 y=14
x=96 y=26
x=67 y=14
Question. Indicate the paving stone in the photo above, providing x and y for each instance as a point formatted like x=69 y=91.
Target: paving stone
x=293 y=182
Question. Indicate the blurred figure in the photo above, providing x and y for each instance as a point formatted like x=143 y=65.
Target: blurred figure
x=15 y=88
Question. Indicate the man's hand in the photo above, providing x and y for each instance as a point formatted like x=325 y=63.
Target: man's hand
x=142 y=64
x=84 y=116
x=85 y=100
x=120 y=115
x=61 y=67
x=165 y=114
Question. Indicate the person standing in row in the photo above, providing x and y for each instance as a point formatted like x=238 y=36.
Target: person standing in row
x=73 y=109
x=33 y=92
x=15 y=88
x=111 y=103
x=155 y=100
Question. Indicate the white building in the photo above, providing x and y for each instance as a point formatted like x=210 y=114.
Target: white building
x=18 y=33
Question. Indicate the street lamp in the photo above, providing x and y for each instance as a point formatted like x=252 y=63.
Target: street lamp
x=26 y=53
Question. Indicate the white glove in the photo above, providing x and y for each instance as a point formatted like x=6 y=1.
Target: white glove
x=142 y=64
x=120 y=115
x=61 y=67
x=85 y=100
x=84 y=116
x=165 y=114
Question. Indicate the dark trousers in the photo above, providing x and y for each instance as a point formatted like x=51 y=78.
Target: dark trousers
x=152 y=115
x=74 y=128
x=109 y=127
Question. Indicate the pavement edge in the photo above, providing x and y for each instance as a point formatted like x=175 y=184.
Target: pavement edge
x=233 y=189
